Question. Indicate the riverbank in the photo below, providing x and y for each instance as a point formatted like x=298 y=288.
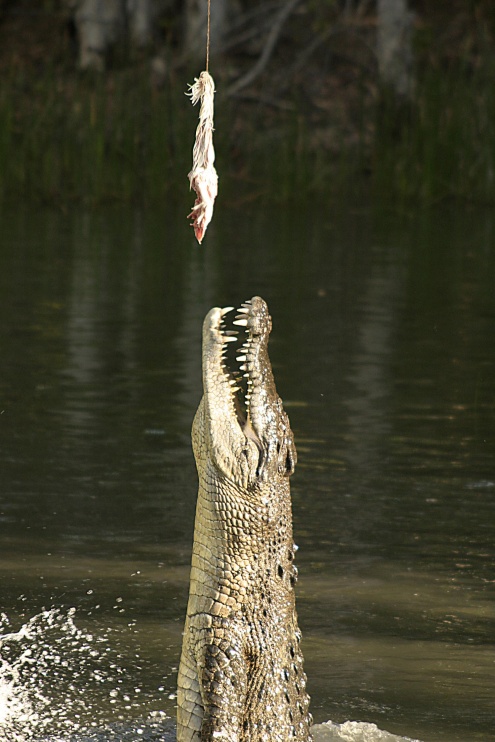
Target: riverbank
x=126 y=135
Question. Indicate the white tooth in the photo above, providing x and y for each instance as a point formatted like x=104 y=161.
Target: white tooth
x=243 y=368
x=243 y=310
x=225 y=310
x=241 y=358
x=247 y=372
x=241 y=322
x=229 y=339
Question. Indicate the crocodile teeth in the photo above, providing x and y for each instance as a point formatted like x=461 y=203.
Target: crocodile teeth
x=229 y=339
x=244 y=309
x=241 y=358
x=225 y=310
x=242 y=322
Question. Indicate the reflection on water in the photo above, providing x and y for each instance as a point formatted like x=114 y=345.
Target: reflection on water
x=383 y=352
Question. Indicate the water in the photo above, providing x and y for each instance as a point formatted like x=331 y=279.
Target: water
x=383 y=349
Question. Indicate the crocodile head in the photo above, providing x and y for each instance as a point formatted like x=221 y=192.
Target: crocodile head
x=242 y=428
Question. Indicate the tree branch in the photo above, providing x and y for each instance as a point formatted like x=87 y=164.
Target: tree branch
x=265 y=55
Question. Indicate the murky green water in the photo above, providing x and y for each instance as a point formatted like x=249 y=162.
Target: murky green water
x=384 y=353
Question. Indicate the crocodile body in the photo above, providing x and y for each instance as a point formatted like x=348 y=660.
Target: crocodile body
x=241 y=676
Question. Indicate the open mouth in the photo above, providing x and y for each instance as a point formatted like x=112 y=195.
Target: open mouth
x=239 y=386
x=238 y=357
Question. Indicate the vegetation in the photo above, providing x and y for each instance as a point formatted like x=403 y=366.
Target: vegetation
x=93 y=139
x=446 y=147
x=316 y=122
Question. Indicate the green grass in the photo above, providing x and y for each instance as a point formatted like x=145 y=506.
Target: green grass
x=66 y=138
x=445 y=146
x=91 y=139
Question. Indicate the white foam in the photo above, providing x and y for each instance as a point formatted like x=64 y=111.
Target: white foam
x=353 y=731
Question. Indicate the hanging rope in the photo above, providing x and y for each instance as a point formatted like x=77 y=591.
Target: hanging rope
x=208 y=35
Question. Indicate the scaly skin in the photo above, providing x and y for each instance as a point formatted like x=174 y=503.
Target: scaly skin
x=241 y=676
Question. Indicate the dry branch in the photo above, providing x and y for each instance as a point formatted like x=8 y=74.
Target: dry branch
x=265 y=55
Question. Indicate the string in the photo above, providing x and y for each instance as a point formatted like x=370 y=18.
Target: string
x=208 y=36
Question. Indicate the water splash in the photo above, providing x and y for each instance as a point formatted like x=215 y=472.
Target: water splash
x=57 y=684
x=50 y=672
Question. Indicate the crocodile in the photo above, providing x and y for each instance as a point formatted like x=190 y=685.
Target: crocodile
x=241 y=676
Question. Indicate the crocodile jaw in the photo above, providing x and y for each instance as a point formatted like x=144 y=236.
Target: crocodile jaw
x=256 y=445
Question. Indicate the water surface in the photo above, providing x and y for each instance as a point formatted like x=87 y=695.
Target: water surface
x=384 y=353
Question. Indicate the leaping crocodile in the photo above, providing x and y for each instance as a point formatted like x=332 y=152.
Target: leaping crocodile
x=241 y=676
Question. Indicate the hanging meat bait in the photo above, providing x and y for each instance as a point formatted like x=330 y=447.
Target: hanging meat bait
x=203 y=178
